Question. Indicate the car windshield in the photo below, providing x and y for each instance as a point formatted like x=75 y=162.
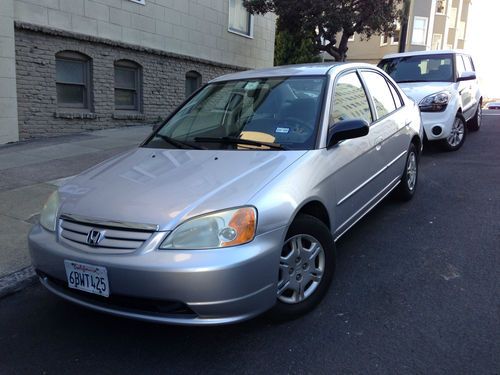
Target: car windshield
x=427 y=68
x=257 y=114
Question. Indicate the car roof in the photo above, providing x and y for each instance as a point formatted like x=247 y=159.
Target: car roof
x=425 y=53
x=317 y=69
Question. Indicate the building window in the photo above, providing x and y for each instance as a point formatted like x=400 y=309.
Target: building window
x=193 y=82
x=419 y=35
x=240 y=21
x=72 y=80
x=127 y=86
x=396 y=34
x=384 y=39
x=437 y=41
x=440 y=6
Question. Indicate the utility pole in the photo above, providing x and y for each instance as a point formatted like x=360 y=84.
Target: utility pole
x=404 y=26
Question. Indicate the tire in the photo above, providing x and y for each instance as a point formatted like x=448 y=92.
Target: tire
x=476 y=121
x=457 y=136
x=301 y=268
x=408 y=185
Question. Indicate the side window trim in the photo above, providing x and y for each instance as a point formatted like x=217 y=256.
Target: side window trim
x=472 y=63
x=373 y=110
x=394 y=89
x=458 y=59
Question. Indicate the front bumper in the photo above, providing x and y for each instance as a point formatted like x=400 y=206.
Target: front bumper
x=443 y=120
x=217 y=286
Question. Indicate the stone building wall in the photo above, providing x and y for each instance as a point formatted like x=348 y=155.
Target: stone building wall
x=163 y=82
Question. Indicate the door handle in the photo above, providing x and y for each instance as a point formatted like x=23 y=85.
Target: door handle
x=378 y=143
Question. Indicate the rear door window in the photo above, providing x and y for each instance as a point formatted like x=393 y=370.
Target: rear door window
x=381 y=94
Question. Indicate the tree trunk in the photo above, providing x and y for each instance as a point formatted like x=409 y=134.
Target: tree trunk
x=343 y=46
x=338 y=53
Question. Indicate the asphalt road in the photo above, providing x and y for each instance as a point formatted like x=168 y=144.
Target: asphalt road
x=417 y=291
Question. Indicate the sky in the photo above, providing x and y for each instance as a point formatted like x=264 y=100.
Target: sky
x=482 y=42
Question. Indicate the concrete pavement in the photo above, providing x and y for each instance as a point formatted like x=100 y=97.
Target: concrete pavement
x=30 y=171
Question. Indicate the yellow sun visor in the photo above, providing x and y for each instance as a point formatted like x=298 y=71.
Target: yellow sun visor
x=256 y=136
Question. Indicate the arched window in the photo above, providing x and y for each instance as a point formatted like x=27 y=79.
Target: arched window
x=127 y=86
x=73 y=80
x=193 y=82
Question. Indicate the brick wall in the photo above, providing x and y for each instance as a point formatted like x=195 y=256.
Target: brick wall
x=163 y=82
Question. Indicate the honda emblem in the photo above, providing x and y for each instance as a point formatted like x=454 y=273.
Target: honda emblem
x=94 y=237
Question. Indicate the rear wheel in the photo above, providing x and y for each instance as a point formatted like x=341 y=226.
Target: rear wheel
x=408 y=184
x=475 y=122
x=457 y=136
x=307 y=263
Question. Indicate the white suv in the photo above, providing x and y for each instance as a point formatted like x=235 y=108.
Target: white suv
x=444 y=85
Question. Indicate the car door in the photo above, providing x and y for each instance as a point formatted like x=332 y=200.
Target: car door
x=464 y=87
x=388 y=129
x=473 y=86
x=355 y=162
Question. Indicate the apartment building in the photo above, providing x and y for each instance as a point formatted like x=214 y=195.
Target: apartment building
x=432 y=25
x=72 y=65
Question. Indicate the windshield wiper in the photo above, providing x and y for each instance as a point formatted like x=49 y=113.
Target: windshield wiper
x=241 y=141
x=177 y=143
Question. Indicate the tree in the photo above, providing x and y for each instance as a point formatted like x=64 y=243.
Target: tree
x=294 y=48
x=330 y=23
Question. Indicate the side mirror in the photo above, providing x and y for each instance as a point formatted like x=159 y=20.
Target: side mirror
x=466 y=76
x=346 y=129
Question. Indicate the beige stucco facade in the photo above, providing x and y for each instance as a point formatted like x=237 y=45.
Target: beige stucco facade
x=192 y=29
x=432 y=25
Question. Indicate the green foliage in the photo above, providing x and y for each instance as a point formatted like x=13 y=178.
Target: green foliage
x=325 y=21
x=294 y=49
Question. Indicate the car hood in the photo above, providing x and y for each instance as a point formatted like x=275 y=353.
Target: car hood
x=419 y=90
x=165 y=187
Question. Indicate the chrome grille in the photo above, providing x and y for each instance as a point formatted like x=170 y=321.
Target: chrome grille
x=114 y=239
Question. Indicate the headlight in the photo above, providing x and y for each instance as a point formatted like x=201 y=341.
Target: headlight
x=48 y=215
x=435 y=102
x=220 y=229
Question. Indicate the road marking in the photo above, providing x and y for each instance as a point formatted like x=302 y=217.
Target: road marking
x=451 y=273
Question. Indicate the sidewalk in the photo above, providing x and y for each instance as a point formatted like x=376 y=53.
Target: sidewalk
x=30 y=171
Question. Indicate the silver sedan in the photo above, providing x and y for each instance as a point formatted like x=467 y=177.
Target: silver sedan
x=232 y=207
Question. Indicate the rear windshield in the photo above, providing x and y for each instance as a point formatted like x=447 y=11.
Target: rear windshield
x=430 y=68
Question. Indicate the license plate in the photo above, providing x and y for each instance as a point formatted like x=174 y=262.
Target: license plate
x=87 y=277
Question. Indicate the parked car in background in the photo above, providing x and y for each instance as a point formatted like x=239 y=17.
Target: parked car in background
x=493 y=106
x=445 y=86
x=232 y=207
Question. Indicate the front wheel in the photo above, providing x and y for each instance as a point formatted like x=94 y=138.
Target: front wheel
x=408 y=185
x=456 y=138
x=307 y=263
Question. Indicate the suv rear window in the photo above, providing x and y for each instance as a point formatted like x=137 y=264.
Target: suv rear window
x=425 y=68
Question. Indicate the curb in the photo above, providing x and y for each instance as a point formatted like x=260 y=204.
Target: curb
x=17 y=281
